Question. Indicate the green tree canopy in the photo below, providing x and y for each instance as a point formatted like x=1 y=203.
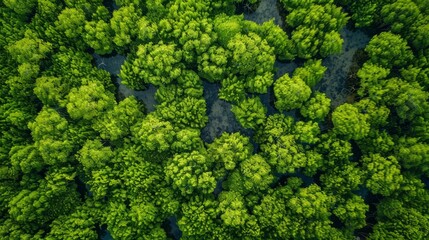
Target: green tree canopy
x=400 y=14
x=413 y=154
x=317 y=107
x=290 y=92
x=389 y=50
x=229 y=150
x=94 y=155
x=315 y=27
x=353 y=212
x=153 y=133
x=157 y=64
x=190 y=173
x=278 y=39
x=384 y=174
x=80 y=224
x=89 y=101
x=29 y=50
x=35 y=206
x=349 y=122
x=71 y=23
x=124 y=25
x=312 y=72
x=250 y=113
x=98 y=35
x=274 y=127
x=116 y=123
x=252 y=58
x=341 y=180
x=21 y=7
x=184 y=112
x=398 y=221
x=285 y=155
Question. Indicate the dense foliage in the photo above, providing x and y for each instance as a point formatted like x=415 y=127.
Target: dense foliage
x=78 y=159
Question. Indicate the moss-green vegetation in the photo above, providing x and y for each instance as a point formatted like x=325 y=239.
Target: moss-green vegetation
x=76 y=161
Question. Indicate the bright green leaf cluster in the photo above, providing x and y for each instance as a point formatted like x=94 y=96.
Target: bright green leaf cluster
x=250 y=113
x=349 y=122
x=290 y=92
